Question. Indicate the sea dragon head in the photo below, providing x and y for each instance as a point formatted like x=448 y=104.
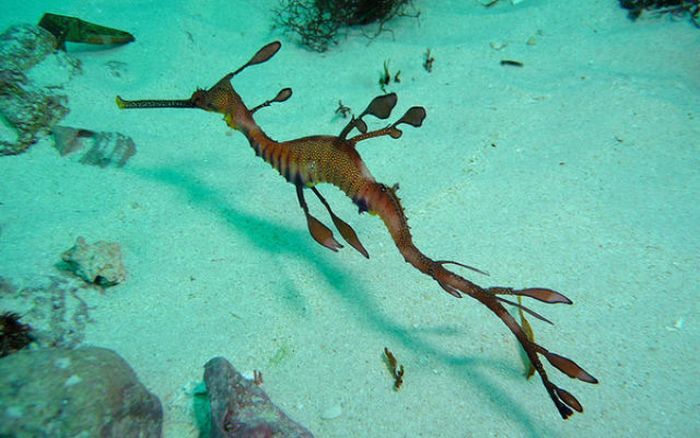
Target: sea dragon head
x=221 y=98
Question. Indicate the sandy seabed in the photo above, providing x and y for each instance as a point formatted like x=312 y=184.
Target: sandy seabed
x=579 y=171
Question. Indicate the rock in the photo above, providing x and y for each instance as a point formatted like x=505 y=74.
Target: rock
x=23 y=46
x=101 y=149
x=51 y=305
x=83 y=392
x=99 y=263
x=30 y=73
x=239 y=408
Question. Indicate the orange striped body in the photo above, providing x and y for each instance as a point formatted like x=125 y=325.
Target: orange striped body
x=328 y=159
x=317 y=159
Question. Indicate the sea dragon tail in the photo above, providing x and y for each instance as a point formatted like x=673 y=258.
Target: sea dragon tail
x=385 y=203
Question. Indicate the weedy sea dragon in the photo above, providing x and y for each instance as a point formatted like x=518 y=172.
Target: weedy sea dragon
x=309 y=161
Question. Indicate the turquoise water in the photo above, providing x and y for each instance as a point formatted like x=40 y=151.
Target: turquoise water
x=577 y=171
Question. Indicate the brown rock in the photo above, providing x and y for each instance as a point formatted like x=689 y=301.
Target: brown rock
x=239 y=408
x=84 y=392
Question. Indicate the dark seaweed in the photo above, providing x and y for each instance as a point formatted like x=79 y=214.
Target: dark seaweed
x=319 y=22
x=675 y=7
x=14 y=335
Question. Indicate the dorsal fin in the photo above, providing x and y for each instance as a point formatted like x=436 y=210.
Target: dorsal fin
x=381 y=106
x=283 y=95
x=261 y=56
x=414 y=117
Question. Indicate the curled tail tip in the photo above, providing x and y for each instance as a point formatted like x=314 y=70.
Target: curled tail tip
x=120 y=102
x=566 y=402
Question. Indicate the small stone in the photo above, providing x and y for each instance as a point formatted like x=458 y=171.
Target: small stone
x=14 y=412
x=62 y=362
x=498 y=45
x=332 y=412
x=73 y=380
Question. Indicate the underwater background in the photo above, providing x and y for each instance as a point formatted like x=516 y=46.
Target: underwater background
x=575 y=168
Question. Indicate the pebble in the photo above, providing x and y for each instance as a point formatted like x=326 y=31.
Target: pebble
x=498 y=45
x=73 y=380
x=332 y=412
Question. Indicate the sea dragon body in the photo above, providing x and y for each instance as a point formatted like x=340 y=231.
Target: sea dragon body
x=310 y=161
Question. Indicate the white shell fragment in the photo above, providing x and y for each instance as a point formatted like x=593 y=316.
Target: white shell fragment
x=498 y=45
x=332 y=412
